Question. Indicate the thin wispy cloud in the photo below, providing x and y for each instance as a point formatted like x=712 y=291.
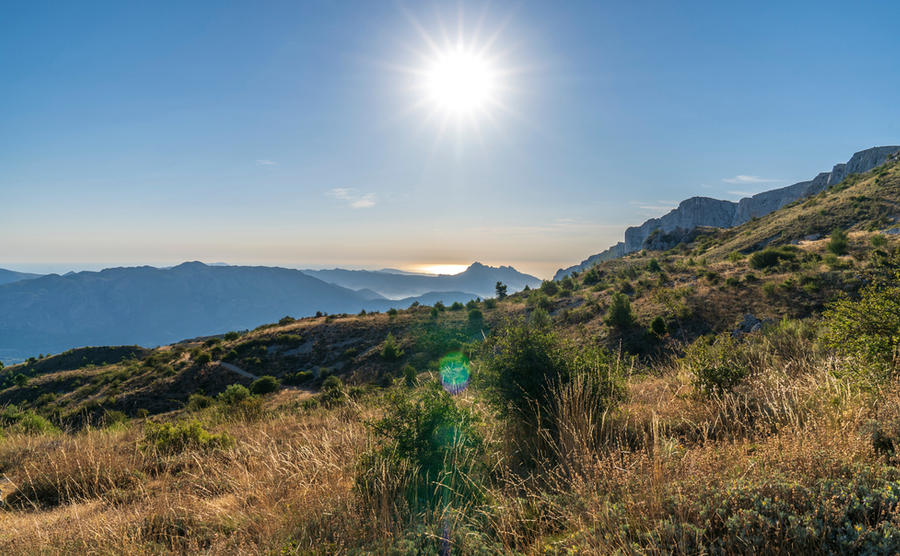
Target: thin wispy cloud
x=266 y=163
x=742 y=193
x=748 y=179
x=355 y=199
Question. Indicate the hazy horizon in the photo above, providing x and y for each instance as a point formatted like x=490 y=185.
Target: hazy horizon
x=60 y=269
x=369 y=135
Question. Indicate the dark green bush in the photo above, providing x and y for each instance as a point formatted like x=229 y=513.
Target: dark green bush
x=658 y=327
x=475 y=316
x=203 y=359
x=264 y=385
x=771 y=256
x=549 y=287
x=839 y=242
x=620 y=314
x=457 y=306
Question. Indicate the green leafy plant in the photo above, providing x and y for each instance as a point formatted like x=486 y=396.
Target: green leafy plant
x=264 y=385
x=620 y=314
x=839 y=242
x=714 y=364
x=189 y=435
x=391 y=350
x=771 y=256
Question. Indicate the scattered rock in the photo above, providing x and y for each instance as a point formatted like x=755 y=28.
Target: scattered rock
x=812 y=237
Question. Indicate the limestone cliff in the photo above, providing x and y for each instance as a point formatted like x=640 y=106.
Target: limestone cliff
x=703 y=211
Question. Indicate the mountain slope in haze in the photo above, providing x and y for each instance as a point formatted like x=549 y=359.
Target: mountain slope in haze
x=10 y=276
x=704 y=211
x=150 y=306
x=478 y=279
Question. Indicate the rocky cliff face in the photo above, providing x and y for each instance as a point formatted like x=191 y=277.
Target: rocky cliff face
x=703 y=211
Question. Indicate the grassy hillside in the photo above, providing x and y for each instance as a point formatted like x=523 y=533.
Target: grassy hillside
x=627 y=410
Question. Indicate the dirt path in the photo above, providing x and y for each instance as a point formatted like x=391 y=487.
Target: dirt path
x=238 y=370
x=306 y=392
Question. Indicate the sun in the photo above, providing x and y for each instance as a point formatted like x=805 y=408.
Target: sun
x=460 y=81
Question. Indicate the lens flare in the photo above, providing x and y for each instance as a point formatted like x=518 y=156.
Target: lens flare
x=455 y=372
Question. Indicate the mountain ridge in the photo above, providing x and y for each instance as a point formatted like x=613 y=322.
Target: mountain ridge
x=705 y=211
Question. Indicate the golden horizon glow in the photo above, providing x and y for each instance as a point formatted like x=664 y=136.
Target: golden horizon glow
x=441 y=268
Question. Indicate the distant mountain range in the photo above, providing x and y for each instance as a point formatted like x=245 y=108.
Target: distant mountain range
x=150 y=306
x=478 y=279
x=9 y=276
x=667 y=231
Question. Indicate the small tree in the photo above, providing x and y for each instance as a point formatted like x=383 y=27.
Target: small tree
x=21 y=380
x=475 y=316
x=620 y=314
x=839 y=243
x=391 y=350
x=265 y=384
x=500 y=290
x=203 y=359
x=658 y=327
x=549 y=287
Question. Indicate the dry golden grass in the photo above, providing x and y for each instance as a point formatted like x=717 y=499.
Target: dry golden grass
x=597 y=483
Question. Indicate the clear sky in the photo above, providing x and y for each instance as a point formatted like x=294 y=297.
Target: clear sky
x=314 y=134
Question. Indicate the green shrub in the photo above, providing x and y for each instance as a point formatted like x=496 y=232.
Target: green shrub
x=733 y=281
x=490 y=303
x=591 y=277
x=232 y=336
x=391 y=350
x=457 y=306
x=472 y=304
x=234 y=394
x=430 y=438
x=518 y=361
x=658 y=327
x=434 y=312
x=409 y=374
x=653 y=266
x=197 y=402
x=771 y=256
x=185 y=436
x=392 y=312
x=839 y=242
x=769 y=289
x=868 y=330
x=264 y=385
x=203 y=359
x=475 y=316
x=714 y=363
x=878 y=240
x=333 y=391
x=212 y=342
x=750 y=278
x=549 y=287
x=539 y=299
x=620 y=314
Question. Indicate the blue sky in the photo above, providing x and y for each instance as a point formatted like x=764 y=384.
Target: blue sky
x=298 y=134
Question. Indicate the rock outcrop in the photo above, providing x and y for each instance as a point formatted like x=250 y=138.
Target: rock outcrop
x=704 y=211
